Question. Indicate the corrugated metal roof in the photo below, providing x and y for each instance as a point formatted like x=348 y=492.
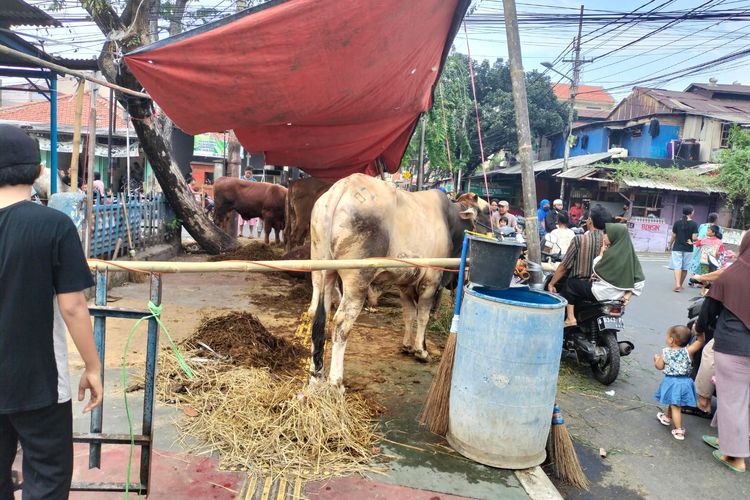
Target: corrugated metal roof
x=721 y=87
x=667 y=186
x=706 y=168
x=31 y=49
x=577 y=173
x=557 y=164
x=697 y=104
x=20 y=13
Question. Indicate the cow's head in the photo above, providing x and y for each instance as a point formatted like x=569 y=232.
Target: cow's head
x=474 y=210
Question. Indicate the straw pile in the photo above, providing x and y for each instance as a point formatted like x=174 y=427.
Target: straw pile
x=265 y=419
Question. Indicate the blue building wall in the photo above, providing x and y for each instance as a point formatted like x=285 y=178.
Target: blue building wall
x=644 y=146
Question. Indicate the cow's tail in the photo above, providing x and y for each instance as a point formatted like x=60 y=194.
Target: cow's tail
x=318 y=334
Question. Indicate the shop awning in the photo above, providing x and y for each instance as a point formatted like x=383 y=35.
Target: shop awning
x=332 y=86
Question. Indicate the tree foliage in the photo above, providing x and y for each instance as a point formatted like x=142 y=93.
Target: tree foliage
x=497 y=116
x=734 y=175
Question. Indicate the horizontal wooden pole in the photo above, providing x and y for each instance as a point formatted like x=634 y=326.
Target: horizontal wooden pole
x=270 y=265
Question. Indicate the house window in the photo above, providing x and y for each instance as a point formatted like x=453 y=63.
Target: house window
x=725 y=128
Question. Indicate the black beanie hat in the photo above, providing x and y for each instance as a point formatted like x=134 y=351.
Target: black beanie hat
x=17 y=148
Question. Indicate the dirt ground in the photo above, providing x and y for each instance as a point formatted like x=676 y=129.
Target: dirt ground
x=374 y=364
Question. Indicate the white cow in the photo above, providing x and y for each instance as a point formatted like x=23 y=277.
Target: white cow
x=362 y=217
x=42 y=184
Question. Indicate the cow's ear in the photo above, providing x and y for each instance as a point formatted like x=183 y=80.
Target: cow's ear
x=474 y=196
x=467 y=214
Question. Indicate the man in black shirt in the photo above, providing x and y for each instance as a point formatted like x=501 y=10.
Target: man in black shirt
x=43 y=273
x=684 y=233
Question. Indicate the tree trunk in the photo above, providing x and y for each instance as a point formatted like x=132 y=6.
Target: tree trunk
x=175 y=21
x=234 y=163
x=134 y=24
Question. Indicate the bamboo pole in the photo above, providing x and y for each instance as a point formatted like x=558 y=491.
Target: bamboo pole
x=76 y=137
x=90 y=167
x=271 y=266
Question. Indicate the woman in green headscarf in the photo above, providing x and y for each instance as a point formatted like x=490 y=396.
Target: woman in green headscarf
x=617 y=273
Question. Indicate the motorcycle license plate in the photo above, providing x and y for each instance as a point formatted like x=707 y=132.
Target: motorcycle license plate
x=607 y=323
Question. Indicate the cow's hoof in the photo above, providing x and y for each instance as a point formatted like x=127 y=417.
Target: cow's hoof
x=407 y=349
x=422 y=356
x=316 y=378
x=338 y=384
x=371 y=309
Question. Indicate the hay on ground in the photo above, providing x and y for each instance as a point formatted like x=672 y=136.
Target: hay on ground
x=266 y=421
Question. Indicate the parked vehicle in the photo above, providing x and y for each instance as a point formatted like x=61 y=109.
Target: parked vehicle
x=594 y=338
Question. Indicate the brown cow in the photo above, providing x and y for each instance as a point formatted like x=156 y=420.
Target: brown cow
x=251 y=199
x=300 y=198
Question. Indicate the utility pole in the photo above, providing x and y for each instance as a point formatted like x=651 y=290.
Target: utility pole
x=420 y=165
x=573 y=91
x=521 y=105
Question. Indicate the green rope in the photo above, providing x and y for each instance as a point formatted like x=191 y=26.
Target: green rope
x=155 y=314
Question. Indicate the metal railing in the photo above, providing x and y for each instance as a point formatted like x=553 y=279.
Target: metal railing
x=137 y=222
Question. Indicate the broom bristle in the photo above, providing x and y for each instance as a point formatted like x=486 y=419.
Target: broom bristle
x=434 y=415
x=564 y=459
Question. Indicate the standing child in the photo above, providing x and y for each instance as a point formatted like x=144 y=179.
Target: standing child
x=43 y=273
x=677 y=389
x=710 y=246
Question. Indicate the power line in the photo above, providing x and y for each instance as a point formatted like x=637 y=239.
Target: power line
x=658 y=30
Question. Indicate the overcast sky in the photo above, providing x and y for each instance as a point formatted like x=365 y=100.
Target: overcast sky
x=683 y=44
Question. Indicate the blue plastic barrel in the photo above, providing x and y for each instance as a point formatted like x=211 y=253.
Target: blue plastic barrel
x=505 y=375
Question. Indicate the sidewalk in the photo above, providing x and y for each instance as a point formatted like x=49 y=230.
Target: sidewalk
x=422 y=466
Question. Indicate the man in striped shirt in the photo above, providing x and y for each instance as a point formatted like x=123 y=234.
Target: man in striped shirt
x=578 y=262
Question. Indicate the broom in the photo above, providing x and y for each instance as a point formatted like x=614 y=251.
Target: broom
x=434 y=415
x=562 y=454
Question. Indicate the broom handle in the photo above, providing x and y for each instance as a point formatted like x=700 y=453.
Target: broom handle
x=461 y=272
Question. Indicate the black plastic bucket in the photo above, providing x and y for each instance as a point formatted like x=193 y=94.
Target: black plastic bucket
x=492 y=261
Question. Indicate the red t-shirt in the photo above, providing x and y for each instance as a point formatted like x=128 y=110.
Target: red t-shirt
x=575 y=214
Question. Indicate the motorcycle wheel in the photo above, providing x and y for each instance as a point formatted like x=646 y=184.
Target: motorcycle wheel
x=607 y=372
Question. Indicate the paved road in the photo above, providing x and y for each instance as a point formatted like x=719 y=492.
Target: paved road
x=643 y=460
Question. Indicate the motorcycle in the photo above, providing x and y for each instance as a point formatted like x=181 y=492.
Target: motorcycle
x=593 y=339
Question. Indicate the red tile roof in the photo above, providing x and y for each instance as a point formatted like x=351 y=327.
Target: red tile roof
x=585 y=93
x=593 y=113
x=39 y=112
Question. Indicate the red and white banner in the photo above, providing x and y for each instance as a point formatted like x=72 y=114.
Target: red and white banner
x=649 y=235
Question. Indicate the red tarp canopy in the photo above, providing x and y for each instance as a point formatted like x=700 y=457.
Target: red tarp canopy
x=331 y=86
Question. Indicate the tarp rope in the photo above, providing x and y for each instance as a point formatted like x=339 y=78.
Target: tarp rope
x=476 y=112
x=447 y=142
x=155 y=314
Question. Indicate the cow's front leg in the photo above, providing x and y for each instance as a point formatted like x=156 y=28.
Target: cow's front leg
x=410 y=315
x=343 y=320
x=267 y=230
x=426 y=298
